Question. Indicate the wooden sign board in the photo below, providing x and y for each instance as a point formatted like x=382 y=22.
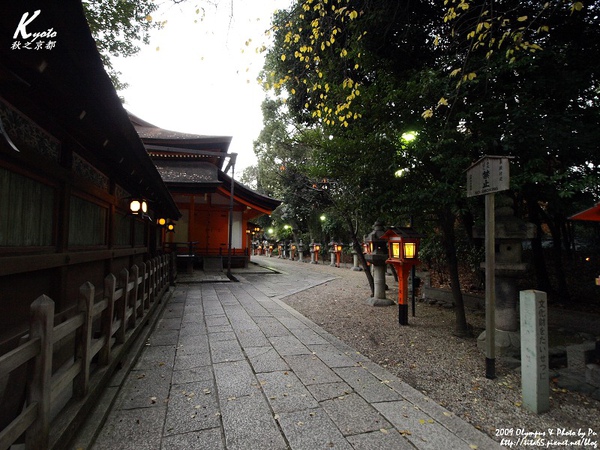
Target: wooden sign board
x=488 y=175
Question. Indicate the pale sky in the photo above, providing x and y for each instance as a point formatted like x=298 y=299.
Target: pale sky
x=200 y=77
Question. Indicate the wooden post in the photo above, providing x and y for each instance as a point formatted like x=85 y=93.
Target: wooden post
x=41 y=327
x=143 y=287
x=135 y=295
x=86 y=306
x=535 y=376
x=110 y=287
x=123 y=305
x=150 y=269
x=490 y=288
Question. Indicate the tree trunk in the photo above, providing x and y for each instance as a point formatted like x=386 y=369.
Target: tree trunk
x=447 y=220
x=361 y=256
x=539 y=263
x=563 y=289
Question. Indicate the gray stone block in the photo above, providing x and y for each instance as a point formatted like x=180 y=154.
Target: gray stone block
x=131 y=430
x=185 y=361
x=311 y=370
x=252 y=338
x=379 y=440
x=289 y=345
x=192 y=407
x=249 y=424
x=327 y=391
x=578 y=356
x=199 y=440
x=592 y=375
x=285 y=392
x=265 y=359
x=312 y=429
x=144 y=389
x=353 y=415
x=367 y=385
x=332 y=356
x=235 y=379
x=154 y=357
x=419 y=428
x=224 y=351
x=204 y=373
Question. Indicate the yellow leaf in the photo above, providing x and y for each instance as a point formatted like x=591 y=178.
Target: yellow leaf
x=522 y=19
x=148 y=18
x=427 y=114
x=455 y=72
x=283 y=57
x=473 y=446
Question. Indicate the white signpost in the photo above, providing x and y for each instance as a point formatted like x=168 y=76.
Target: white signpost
x=487 y=176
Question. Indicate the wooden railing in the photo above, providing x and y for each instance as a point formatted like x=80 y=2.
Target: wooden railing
x=98 y=336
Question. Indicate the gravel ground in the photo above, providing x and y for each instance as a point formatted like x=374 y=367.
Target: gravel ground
x=446 y=368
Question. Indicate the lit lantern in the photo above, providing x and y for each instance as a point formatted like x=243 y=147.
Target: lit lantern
x=337 y=249
x=170 y=227
x=314 y=253
x=403 y=245
x=138 y=206
x=161 y=222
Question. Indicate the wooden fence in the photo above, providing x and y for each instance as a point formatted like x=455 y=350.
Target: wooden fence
x=97 y=338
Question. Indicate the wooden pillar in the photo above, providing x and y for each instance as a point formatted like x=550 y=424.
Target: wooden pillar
x=41 y=327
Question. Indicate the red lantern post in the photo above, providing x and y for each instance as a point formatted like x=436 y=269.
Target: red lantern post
x=403 y=247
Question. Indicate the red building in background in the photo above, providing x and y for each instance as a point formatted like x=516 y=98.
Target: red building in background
x=191 y=167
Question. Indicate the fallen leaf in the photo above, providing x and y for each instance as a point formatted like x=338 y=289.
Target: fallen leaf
x=153 y=399
x=384 y=431
x=404 y=432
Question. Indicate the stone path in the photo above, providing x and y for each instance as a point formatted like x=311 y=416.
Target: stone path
x=230 y=366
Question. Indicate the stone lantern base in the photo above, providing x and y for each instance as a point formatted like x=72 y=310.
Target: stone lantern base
x=508 y=343
x=373 y=301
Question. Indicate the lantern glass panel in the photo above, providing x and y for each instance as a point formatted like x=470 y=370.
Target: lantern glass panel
x=395 y=250
x=135 y=206
x=410 y=250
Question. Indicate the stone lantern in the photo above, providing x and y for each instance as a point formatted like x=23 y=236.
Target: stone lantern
x=300 y=251
x=510 y=231
x=377 y=255
x=355 y=266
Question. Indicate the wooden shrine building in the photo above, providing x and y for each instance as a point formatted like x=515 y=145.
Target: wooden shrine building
x=71 y=163
x=192 y=168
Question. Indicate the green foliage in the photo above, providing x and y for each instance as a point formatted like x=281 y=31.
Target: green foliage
x=538 y=105
x=119 y=27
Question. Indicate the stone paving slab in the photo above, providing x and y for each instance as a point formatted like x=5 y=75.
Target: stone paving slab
x=230 y=366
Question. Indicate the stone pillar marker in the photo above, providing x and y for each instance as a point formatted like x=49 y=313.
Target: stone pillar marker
x=535 y=377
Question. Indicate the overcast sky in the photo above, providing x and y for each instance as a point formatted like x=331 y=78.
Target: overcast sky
x=199 y=75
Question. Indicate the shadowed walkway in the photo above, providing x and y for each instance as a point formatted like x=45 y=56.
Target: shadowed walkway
x=230 y=366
